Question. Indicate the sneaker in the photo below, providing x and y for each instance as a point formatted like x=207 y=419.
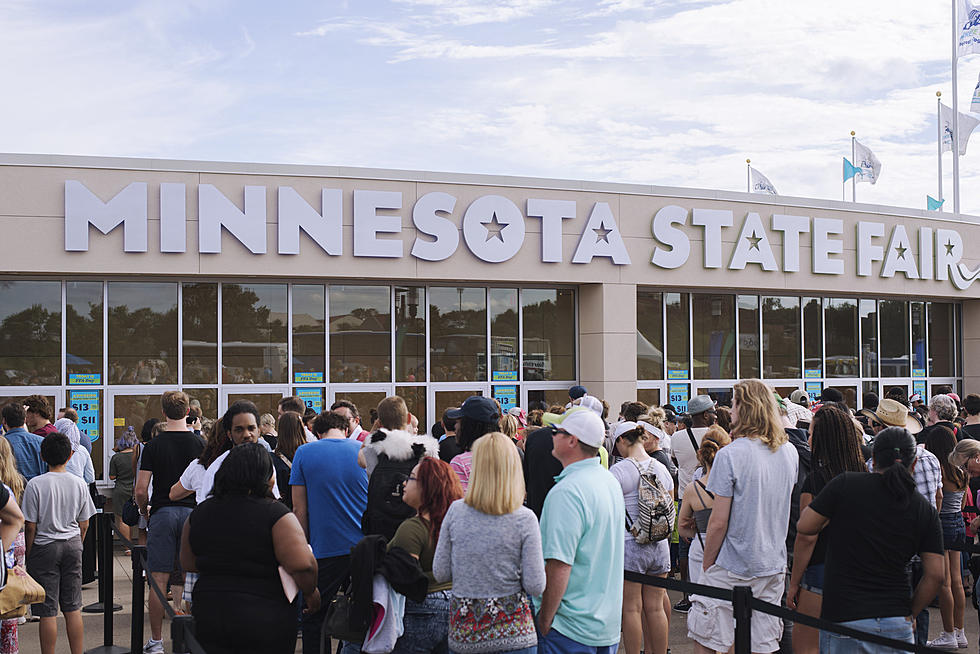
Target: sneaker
x=946 y=640
x=153 y=647
x=685 y=605
x=960 y=638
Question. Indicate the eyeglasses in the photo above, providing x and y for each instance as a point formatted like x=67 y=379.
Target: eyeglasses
x=411 y=478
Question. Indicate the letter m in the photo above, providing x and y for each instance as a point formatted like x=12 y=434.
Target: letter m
x=84 y=208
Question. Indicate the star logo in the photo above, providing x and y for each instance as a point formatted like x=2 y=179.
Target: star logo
x=754 y=241
x=949 y=247
x=495 y=228
x=602 y=234
x=901 y=251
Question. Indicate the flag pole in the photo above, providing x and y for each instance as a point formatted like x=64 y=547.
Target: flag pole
x=854 y=163
x=939 y=146
x=955 y=145
x=748 y=175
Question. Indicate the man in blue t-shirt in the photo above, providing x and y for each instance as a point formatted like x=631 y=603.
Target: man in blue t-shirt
x=25 y=445
x=329 y=497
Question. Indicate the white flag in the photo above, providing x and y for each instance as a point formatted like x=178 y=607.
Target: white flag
x=975 y=104
x=968 y=15
x=865 y=159
x=761 y=183
x=967 y=124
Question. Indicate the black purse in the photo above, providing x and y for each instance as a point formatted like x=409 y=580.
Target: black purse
x=130 y=513
x=337 y=623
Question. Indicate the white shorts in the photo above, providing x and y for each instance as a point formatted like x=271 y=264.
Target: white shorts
x=711 y=622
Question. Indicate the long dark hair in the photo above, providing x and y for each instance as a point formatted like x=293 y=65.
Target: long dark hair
x=468 y=430
x=217 y=444
x=291 y=434
x=894 y=453
x=835 y=444
x=941 y=442
x=246 y=471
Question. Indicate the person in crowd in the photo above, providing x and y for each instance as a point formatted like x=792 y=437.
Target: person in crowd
x=449 y=444
x=164 y=459
x=575 y=394
x=581 y=607
x=971 y=425
x=631 y=411
x=192 y=479
x=752 y=480
x=692 y=519
x=308 y=417
x=236 y=540
x=835 y=450
x=57 y=508
x=332 y=425
x=685 y=444
x=477 y=417
x=540 y=467
x=72 y=415
x=267 y=430
x=80 y=463
x=13 y=483
x=534 y=419
x=291 y=437
x=348 y=410
x=875 y=522
x=491 y=526
x=297 y=406
x=952 y=599
x=241 y=425
x=121 y=473
x=437 y=431
x=942 y=413
x=147 y=431
x=509 y=426
x=521 y=416
x=329 y=489
x=195 y=419
x=38 y=415
x=645 y=610
x=655 y=436
x=25 y=445
x=723 y=417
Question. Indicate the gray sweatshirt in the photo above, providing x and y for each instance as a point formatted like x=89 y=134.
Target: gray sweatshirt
x=489 y=555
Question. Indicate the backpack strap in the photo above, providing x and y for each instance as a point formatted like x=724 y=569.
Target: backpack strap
x=629 y=522
x=694 y=441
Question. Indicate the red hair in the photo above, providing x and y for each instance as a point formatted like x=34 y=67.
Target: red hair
x=439 y=487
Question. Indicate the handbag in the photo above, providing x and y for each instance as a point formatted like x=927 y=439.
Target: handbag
x=336 y=624
x=20 y=591
x=130 y=513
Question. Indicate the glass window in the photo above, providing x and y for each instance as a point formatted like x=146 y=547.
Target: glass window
x=309 y=340
x=365 y=401
x=812 y=338
x=88 y=405
x=714 y=336
x=142 y=333
x=200 y=333
x=549 y=333
x=678 y=335
x=649 y=396
x=504 y=349
x=253 y=333
x=748 y=336
x=548 y=396
x=649 y=334
x=414 y=397
x=894 y=321
x=781 y=337
x=868 y=310
x=458 y=334
x=410 y=334
x=30 y=333
x=918 y=338
x=869 y=387
x=360 y=334
x=207 y=399
x=83 y=332
x=841 y=316
x=264 y=402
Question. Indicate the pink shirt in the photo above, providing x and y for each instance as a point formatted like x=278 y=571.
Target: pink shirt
x=461 y=465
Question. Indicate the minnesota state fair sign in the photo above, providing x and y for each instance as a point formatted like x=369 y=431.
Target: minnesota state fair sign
x=493 y=230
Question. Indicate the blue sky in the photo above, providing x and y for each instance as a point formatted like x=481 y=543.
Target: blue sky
x=663 y=92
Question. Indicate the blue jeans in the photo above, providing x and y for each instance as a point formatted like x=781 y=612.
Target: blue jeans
x=895 y=627
x=555 y=643
x=426 y=625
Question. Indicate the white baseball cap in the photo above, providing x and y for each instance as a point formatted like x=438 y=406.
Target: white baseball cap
x=585 y=425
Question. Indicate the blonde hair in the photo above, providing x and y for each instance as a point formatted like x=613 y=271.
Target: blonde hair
x=656 y=417
x=508 y=425
x=713 y=440
x=965 y=450
x=758 y=416
x=496 y=480
x=8 y=469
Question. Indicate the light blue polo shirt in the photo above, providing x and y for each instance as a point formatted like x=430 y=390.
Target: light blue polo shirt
x=582 y=525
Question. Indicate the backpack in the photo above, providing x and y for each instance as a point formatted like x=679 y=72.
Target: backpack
x=385 y=508
x=655 y=509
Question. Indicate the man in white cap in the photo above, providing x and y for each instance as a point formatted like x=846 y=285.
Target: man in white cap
x=581 y=537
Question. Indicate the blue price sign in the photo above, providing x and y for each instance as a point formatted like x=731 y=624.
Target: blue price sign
x=678 y=394
x=506 y=395
x=86 y=405
x=919 y=386
x=79 y=379
x=312 y=397
x=814 y=389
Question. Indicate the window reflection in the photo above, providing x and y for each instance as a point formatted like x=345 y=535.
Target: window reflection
x=894 y=321
x=942 y=352
x=410 y=334
x=918 y=310
x=549 y=333
x=360 y=334
x=678 y=335
x=83 y=332
x=869 y=338
x=200 y=333
x=714 y=336
x=142 y=333
x=841 y=317
x=649 y=334
x=30 y=333
x=748 y=336
x=309 y=340
x=812 y=338
x=504 y=326
x=458 y=341
x=781 y=337
x=253 y=333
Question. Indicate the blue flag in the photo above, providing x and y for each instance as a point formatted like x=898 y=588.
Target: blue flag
x=850 y=170
x=933 y=204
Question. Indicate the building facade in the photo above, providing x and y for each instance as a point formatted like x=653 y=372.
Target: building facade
x=122 y=278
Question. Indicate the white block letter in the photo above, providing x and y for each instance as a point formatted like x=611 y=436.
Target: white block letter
x=216 y=211
x=753 y=246
x=551 y=213
x=664 y=231
x=899 y=257
x=949 y=251
x=368 y=224
x=601 y=238
x=791 y=227
x=425 y=216
x=493 y=228
x=84 y=208
x=173 y=217
x=296 y=214
x=867 y=252
x=712 y=220
x=824 y=246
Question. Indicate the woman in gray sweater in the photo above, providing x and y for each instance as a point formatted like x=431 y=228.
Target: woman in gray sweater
x=490 y=609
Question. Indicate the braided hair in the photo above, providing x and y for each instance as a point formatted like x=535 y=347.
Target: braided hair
x=836 y=448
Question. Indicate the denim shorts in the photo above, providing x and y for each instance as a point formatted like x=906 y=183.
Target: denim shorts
x=813 y=579
x=954 y=530
x=896 y=627
x=163 y=538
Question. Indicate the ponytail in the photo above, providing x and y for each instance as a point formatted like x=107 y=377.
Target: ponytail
x=894 y=454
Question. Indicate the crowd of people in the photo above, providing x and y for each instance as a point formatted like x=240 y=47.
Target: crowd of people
x=510 y=531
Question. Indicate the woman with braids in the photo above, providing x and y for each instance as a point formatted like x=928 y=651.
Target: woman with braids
x=952 y=599
x=834 y=442
x=696 y=509
x=875 y=522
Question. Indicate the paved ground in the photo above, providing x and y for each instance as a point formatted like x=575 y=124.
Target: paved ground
x=122 y=581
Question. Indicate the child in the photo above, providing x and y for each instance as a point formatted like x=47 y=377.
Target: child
x=57 y=507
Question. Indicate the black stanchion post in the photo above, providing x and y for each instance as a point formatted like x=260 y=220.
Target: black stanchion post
x=104 y=538
x=139 y=588
x=180 y=625
x=741 y=606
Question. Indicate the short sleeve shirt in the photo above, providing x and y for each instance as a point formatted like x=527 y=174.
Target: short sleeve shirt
x=413 y=537
x=56 y=502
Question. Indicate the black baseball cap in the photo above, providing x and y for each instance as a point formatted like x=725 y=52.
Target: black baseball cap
x=476 y=407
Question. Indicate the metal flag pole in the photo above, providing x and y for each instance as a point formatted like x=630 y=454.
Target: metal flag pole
x=955 y=145
x=853 y=177
x=748 y=175
x=939 y=146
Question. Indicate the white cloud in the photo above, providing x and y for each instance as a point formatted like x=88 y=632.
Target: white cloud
x=475 y=12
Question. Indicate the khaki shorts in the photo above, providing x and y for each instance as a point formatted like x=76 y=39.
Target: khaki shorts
x=711 y=622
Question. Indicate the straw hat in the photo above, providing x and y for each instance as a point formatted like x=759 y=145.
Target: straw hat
x=896 y=414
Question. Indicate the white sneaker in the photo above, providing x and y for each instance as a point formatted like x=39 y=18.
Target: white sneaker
x=960 y=638
x=156 y=647
x=946 y=640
